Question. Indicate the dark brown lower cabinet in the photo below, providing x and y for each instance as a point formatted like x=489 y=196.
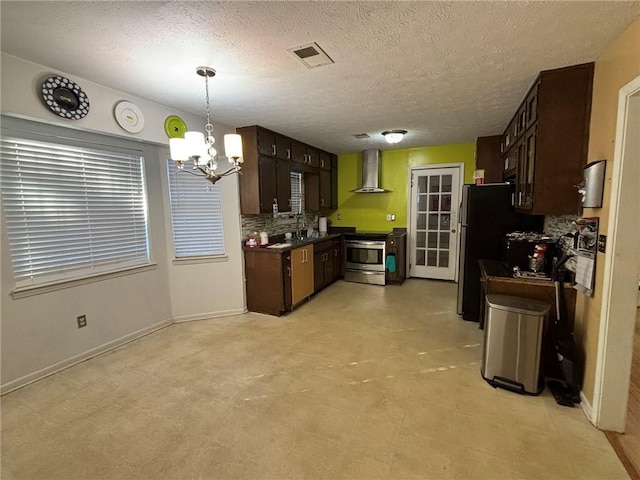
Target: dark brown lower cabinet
x=268 y=281
x=327 y=262
x=397 y=247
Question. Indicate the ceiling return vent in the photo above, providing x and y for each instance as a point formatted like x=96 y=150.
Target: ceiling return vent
x=311 y=55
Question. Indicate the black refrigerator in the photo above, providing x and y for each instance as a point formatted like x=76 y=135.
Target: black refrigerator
x=486 y=214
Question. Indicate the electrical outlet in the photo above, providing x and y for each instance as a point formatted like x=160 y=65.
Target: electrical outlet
x=82 y=321
x=339 y=216
x=391 y=217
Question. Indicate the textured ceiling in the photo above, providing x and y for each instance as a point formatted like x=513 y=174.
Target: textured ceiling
x=445 y=71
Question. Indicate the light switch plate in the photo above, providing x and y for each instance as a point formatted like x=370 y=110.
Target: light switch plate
x=602 y=243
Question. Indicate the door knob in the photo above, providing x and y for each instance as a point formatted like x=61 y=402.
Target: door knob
x=453 y=231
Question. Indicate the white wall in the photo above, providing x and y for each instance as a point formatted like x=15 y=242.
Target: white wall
x=39 y=332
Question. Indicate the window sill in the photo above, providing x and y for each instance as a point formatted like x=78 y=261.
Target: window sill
x=23 y=292
x=200 y=259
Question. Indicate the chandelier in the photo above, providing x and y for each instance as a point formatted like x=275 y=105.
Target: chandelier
x=198 y=147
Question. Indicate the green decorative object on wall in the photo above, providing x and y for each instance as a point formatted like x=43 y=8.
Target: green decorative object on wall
x=174 y=127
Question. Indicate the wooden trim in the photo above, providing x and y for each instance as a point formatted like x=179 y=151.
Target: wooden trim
x=614 y=440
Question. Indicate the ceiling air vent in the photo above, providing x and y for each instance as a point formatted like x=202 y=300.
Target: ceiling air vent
x=361 y=136
x=311 y=55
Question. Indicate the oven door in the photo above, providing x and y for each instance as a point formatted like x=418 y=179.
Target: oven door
x=365 y=255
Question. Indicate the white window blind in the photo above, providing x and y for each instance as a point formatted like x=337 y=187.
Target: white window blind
x=196 y=214
x=297 y=192
x=72 y=211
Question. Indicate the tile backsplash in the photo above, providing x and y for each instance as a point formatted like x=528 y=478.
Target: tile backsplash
x=276 y=226
x=557 y=225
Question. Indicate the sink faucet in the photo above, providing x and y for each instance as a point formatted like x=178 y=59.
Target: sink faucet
x=299 y=224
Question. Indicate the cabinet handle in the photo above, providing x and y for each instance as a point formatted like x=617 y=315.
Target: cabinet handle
x=288 y=154
x=273 y=150
x=289 y=201
x=519 y=198
x=322 y=202
x=289 y=272
x=322 y=162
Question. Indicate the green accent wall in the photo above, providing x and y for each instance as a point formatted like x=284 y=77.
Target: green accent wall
x=368 y=211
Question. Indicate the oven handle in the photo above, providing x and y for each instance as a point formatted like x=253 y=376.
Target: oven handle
x=365 y=272
x=357 y=243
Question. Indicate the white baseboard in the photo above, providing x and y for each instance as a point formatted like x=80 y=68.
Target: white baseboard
x=210 y=315
x=70 y=362
x=587 y=408
x=56 y=367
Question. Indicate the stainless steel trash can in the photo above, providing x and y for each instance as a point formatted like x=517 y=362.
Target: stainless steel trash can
x=512 y=343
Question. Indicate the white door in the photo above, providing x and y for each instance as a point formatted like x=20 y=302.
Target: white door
x=433 y=235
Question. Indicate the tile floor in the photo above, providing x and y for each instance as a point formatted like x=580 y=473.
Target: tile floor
x=362 y=382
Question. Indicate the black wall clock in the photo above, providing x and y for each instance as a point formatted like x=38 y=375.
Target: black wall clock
x=65 y=98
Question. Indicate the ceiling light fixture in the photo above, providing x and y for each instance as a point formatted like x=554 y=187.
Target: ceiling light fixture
x=198 y=147
x=394 y=136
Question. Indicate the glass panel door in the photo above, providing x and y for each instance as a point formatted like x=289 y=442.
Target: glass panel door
x=433 y=217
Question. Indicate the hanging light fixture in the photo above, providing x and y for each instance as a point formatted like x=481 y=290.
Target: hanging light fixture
x=394 y=136
x=198 y=147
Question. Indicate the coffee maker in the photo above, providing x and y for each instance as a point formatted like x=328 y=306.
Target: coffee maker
x=529 y=252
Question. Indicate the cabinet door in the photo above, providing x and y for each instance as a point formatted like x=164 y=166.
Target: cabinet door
x=311 y=192
x=301 y=273
x=325 y=188
x=313 y=156
x=334 y=181
x=266 y=142
x=337 y=260
x=530 y=152
x=521 y=172
x=298 y=152
x=283 y=147
x=286 y=279
x=268 y=185
x=297 y=274
x=488 y=158
x=283 y=171
x=329 y=275
x=526 y=167
x=325 y=160
x=532 y=105
x=318 y=270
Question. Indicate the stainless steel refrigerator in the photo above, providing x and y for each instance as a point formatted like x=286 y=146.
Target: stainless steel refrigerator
x=486 y=214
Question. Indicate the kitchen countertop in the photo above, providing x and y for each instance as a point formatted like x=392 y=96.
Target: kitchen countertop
x=291 y=244
x=499 y=269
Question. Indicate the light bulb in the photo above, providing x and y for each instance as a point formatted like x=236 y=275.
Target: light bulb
x=178 y=149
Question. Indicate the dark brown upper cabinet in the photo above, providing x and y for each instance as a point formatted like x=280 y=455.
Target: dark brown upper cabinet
x=544 y=147
x=269 y=159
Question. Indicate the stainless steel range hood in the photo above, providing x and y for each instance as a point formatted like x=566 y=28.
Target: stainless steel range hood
x=370 y=172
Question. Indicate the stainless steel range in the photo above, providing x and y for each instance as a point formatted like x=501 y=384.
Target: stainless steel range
x=365 y=255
